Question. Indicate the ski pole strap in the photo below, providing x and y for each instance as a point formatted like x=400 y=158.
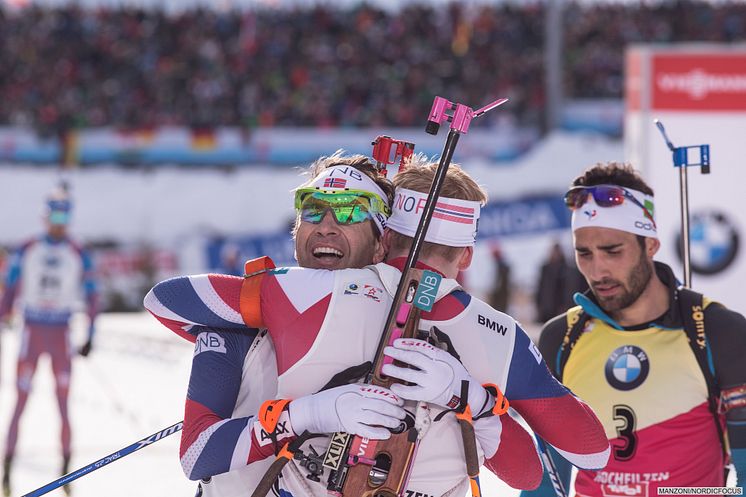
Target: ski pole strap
x=461 y=407
x=273 y=472
x=501 y=402
x=284 y=456
x=468 y=438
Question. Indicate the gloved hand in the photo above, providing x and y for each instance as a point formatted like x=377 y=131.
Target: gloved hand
x=364 y=410
x=86 y=348
x=439 y=378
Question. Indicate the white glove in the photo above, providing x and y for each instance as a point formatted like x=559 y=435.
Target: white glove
x=439 y=378
x=489 y=433
x=364 y=410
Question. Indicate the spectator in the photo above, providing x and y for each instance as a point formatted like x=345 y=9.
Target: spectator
x=499 y=297
x=558 y=282
x=64 y=67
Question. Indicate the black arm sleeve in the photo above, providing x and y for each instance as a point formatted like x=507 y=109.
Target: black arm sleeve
x=726 y=333
x=550 y=340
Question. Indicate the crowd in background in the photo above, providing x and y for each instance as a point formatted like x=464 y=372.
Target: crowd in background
x=319 y=66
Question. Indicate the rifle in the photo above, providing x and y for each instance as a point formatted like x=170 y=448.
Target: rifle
x=380 y=468
x=382 y=147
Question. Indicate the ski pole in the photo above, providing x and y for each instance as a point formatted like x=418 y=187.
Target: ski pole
x=681 y=160
x=74 y=475
x=554 y=477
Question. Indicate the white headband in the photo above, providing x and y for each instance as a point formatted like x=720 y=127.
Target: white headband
x=627 y=216
x=341 y=178
x=454 y=221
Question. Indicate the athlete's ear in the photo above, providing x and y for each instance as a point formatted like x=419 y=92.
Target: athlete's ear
x=652 y=245
x=465 y=260
x=386 y=240
x=381 y=248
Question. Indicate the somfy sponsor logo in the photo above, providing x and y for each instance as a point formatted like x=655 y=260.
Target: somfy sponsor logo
x=698 y=84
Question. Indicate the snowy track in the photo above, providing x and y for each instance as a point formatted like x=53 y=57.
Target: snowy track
x=133 y=384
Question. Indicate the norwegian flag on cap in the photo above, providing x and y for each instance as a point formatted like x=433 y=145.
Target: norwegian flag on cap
x=454 y=213
x=335 y=183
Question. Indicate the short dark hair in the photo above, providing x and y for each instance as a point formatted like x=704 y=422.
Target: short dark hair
x=359 y=162
x=613 y=173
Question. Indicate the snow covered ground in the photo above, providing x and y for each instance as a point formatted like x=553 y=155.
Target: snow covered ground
x=132 y=385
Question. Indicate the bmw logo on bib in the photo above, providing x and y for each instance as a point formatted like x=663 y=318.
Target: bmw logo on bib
x=627 y=367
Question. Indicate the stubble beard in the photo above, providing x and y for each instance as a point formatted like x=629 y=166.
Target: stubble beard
x=638 y=280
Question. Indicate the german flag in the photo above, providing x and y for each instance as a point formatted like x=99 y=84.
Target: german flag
x=203 y=138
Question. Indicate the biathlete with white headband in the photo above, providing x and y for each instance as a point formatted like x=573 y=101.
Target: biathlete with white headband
x=324 y=322
x=340 y=228
x=661 y=366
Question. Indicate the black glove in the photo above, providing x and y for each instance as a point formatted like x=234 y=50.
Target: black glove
x=86 y=348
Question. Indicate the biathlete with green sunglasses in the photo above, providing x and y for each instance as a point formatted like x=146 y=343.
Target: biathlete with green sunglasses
x=325 y=322
x=662 y=367
x=341 y=212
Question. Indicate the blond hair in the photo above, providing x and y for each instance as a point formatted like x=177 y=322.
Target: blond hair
x=418 y=176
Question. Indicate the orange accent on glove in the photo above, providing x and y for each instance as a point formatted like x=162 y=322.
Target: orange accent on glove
x=270 y=412
x=501 y=403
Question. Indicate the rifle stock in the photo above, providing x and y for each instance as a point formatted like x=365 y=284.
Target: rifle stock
x=380 y=468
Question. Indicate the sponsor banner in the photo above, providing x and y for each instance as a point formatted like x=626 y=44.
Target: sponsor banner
x=699 y=92
x=699 y=81
x=238 y=146
x=591 y=114
x=524 y=216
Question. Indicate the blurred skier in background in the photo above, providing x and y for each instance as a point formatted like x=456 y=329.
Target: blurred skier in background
x=45 y=279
